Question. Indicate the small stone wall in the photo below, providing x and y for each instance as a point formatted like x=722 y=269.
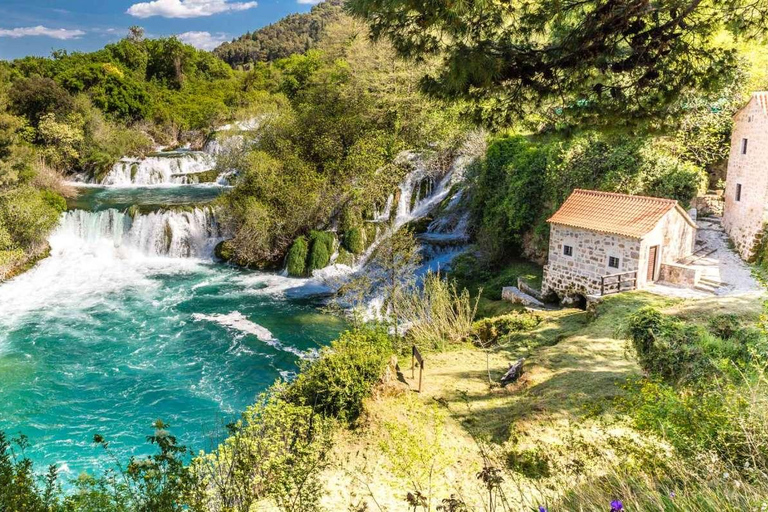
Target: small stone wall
x=681 y=275
x=709 y=205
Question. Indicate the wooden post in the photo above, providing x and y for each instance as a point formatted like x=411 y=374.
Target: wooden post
x=421 y=371
x=416 y=357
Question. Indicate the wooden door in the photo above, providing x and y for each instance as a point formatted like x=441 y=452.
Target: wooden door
x=653 y=253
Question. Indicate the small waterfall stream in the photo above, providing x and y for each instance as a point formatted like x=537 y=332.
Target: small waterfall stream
x=172 y=168
x=168 y=233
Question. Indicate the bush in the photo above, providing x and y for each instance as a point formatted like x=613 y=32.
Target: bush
x=675 y=351
x=54 y=200
x=320 y=250
x=354 y=240
x=27 y=216
x=336 y=383
x=489 y=331
x=296 y=262
x=277 y=452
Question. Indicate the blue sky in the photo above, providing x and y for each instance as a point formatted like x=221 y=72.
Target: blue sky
x=35 y=27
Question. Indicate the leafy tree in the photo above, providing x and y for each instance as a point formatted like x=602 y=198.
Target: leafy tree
x=36 y=96
x=623 y=60
x=110 y=89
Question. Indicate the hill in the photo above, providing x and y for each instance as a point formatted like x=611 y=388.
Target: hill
x=293 y=34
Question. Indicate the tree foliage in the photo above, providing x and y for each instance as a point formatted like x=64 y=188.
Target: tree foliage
x=597 y=60
x=294 y=34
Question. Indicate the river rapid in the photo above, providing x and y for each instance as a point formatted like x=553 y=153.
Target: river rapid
x=130 y=320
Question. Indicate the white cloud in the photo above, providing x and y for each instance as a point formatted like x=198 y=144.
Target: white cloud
x=56 y=33
x=186 y=8
x=203 y=40
x=309 y=2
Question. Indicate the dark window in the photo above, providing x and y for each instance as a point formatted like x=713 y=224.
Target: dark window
x=613 y=262
x=738 y=191
x=744 y=143
x=568 y=250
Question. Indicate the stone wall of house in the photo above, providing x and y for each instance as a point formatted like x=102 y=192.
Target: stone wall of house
x=581 y=272
x=743 y=220
x=676 y=239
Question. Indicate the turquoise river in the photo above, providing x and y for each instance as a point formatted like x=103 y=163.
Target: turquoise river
x=130 y=320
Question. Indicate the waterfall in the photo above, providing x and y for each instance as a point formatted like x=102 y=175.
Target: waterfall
x=177 y=168
x=167 y=233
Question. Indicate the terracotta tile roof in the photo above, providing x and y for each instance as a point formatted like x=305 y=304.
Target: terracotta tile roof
x=762 y=100
x=618 y=214
x=761 y=97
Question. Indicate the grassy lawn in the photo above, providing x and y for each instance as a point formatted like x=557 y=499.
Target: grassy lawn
x=575 y=365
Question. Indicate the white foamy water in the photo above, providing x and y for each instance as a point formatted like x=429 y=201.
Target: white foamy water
x=238 y=322
x=175 y=234
x=95 y=255
x=165 y=169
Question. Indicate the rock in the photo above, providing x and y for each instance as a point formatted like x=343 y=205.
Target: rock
x=514 y=372
x=514 y=295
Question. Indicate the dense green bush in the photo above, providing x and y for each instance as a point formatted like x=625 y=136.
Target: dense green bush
x=27 y=215
x=296 y=262
x=276 y=452
x=320 y=250
x=677 y=351
x=336 y=383
x=489 y=331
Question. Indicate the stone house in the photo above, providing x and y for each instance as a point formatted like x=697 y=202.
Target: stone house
x=602 y=242
x=746 y=190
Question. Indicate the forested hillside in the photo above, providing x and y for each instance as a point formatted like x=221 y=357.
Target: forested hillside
x=293 y=34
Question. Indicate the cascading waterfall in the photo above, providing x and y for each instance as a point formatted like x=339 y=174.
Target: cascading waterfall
x=165 y=233
x=174 y=168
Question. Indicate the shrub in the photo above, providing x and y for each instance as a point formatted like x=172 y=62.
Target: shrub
x=277 y=452
x=320 y=250
x=676 y=351
x=324 y=237
x=489 y=331
x=54 y=200
x=727 y=417
x=296 y=262
x=354 y=240
x=336 y=383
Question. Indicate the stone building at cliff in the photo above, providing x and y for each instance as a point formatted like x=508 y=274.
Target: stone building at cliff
x=746 y=191
x=602 y=242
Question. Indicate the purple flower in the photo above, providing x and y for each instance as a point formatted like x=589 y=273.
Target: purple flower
x=617 y=506
x=672 y=494
x=542 y=508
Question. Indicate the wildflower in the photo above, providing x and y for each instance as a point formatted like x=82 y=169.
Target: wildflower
x=726 y=475
x=542 y=508
x=617 y=506
x=672 y=494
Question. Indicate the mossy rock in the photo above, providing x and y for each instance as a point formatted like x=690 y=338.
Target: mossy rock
x=354 y=240
x=224 y=251
x=200 y=177
x=345 y=258
x=296 y=261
